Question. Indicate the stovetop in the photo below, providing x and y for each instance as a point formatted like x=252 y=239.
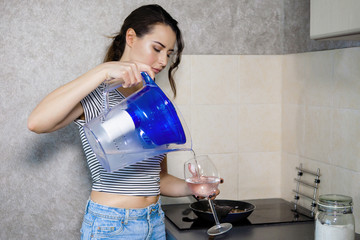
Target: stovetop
x=267 y=211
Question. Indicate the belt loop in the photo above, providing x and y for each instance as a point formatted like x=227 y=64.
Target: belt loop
x=126 y=216
x=87 y=205
x=148 y=213
x=160 y=211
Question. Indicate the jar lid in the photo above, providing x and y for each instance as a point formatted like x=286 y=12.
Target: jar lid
x=335 y=201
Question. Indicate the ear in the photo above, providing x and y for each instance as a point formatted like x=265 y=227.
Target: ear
x=130 y=37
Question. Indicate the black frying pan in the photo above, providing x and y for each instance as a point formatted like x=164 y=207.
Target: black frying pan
x=240 y=210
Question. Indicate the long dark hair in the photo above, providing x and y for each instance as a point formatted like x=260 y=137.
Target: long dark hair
x=142 y=21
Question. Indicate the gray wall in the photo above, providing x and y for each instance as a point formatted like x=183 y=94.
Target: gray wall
x=44 y=181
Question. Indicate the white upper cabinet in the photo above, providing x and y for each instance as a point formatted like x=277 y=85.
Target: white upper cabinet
x=335 y=19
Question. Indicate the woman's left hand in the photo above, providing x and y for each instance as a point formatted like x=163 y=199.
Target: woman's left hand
x=213 y=196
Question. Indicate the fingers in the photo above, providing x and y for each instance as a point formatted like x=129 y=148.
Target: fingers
x=129 y=77
x=127 y=74
x=138 y=67
x=130 y=74
x=198 y=197
x=217 y=192
x=145 y=68
x=214 y=195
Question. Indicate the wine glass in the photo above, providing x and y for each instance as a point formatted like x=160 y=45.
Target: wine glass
x=203 y=180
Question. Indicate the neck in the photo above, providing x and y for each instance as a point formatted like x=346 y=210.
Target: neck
x=126 y=55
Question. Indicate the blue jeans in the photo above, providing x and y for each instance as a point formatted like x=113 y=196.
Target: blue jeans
x=103 y=222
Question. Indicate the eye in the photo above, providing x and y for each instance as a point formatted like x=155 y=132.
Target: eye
x=156 y=49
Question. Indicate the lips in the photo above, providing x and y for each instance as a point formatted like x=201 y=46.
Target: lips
x=156 y=70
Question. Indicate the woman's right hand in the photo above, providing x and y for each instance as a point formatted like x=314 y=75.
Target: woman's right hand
x=126 y=74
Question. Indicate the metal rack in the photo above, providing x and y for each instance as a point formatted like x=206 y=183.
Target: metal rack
x=300 y=194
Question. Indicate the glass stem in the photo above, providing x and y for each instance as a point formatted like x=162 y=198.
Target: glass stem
x=214 y=212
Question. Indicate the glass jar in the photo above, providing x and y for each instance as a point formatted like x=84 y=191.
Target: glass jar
x=334 y=218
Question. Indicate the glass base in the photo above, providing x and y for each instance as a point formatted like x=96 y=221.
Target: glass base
x=219 y=229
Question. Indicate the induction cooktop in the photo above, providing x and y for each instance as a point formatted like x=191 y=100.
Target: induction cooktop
x=267 y=211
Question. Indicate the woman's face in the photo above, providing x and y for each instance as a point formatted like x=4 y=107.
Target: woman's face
x=154 y=48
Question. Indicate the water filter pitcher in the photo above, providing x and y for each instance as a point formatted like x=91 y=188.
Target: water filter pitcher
x=143 y=125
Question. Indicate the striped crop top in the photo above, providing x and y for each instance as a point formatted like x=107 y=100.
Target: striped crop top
x=139 y=179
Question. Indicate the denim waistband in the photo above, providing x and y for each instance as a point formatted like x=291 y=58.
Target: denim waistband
x=122 y=213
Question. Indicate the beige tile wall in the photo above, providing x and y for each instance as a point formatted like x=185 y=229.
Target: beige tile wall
x=259 y=117
x=321 y=121
x=232 y=106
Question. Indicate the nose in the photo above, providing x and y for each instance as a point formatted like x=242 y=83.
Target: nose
x=163 y=59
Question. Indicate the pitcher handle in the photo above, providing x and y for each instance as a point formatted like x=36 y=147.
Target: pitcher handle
x=147 y=80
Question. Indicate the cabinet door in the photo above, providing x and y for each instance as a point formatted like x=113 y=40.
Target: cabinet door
x=335 y=19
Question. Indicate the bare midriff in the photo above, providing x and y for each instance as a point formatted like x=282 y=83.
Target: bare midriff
x=122 y=201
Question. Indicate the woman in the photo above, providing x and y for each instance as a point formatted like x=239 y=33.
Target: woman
x=123 y=204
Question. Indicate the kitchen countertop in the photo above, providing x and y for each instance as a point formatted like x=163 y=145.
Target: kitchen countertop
x=274 y=231
x=298 y=231
x=293 y=231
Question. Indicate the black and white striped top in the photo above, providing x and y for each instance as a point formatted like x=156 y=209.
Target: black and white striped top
x=139 y=179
